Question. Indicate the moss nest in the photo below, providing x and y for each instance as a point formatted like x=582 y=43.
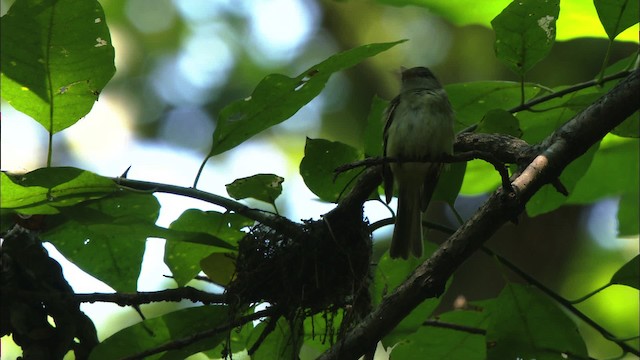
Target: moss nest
x=325 y=268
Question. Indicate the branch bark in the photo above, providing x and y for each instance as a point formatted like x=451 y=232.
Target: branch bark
x=556 y=152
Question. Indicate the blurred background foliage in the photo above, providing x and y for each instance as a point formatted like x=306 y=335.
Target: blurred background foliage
x=180 y=62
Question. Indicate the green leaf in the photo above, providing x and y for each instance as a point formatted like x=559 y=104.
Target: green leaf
x=278 y=97
x=264 y=187
x=628 y=215
x=183 y=258
x=537 y=125
x=616 y=15
x=44 y=191
x=525 y=32
x=161 y=330
x=629 y=128
x=282 y=343
x=479 y=178
x=321 y=158
x=473 y=100
x=56 y=56
x=219 y=267
x=450 y=182
x=614 y=171
x=524 y=323
x=498 y=121
x=430 y=342
x=106 y=237
x=375 y=127
x=320 y=331
x=628 y=274
x=548 y=198
x=388 y=275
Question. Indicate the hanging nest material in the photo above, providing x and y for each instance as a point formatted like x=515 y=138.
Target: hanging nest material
x=324 y=268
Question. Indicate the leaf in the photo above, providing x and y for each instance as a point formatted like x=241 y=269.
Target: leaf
x=614 y=171
x=628 y=215
x=158 y=331
x=629 y=128
x=374 y=128
x=321 y=331
x=525 y=324
x=184 y=258
x=628 y=274
x=617 y=15
x=321 y=158
x=264 y=187
x=473 y=100
x=389 y=274
x=480 y=178
x=219 y=267
x=282 y=343
x=44 y=191
x=450 y=182
x=498 y=121
x=106 y=237
x=56 y=56
x=525 y=32
x=431 y=342
x=278 y=97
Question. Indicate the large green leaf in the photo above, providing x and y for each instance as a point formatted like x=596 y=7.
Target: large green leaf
x=473 y=100
x=44 y=191
x=277 y=97
x=450 y=182
x=431 y=342
x=614 y=171
x=321 y=158
x=283 y=342
x=525 y=32
x=184 y=257
x=523 y=323
x=106 y=238
x=499 y=121
x=155 y=332
x=263 y=187
x=375 y=127
x=389 y=274
x=56 y=56
x=617 y=15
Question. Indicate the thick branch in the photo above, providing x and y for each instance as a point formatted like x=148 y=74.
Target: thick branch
x=558 y=151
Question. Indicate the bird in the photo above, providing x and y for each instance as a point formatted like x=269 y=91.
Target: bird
x=419 y=126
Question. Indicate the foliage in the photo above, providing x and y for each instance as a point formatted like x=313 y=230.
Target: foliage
x=56 y=58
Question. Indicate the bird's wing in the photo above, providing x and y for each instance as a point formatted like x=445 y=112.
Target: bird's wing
x=387 y=176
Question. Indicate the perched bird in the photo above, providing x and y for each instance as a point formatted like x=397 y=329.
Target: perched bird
x=419 y=127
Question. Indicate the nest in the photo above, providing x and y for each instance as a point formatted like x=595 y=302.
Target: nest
x=323 y=269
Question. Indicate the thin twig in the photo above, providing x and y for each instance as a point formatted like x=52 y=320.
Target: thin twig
x=188 y=340
x=277 y=222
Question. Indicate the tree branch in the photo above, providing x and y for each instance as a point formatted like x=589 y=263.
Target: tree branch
x=276 y=222
x=122 y=299
x=561 y=148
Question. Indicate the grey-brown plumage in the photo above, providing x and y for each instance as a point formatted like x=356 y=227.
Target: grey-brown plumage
x=419 y=126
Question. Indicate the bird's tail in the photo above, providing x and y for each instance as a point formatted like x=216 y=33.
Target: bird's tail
x=407 y=234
